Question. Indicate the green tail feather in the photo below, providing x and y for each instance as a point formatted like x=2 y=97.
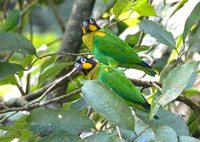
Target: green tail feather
x=145 y=67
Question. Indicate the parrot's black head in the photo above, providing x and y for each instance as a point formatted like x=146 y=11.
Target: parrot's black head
x=85 y=65
x=89 y=25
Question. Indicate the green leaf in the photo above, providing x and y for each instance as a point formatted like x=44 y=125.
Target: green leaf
x=8 y=80
x=145 y=9
x=47 y=120
x=101 y=7
x=60 y=137
x=16 y=43
x=105 y=101
x=51 y=72
x=102 y=137
x=194 y=41
x=180 y=4
x=188 y=139
x=193 y=18
x=122 y=6
x=166 y=118
x=191 y=92
x=140 y=48
x=158 y=32
x=132 y=39
x=7 y=69
x=176 y=81
x=79 y=105
x=154 y=105
x=144 y=133
x=167 y=68
x=47 y=63
x=12 y=20
x=166 y=134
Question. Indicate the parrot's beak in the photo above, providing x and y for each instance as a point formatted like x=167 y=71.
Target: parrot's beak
x=78 y=68
x=84 y=26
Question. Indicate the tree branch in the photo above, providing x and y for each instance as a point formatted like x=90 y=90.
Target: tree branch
x=37 y=105
x=72 y=37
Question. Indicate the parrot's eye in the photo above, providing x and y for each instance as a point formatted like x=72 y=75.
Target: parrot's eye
x=91 y=21
x=76 y=65
x=83 y=60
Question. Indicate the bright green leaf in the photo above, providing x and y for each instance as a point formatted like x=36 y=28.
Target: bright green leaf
x=16 y=43
x=158 y=32
x=105 y=101
x=176 y=81
x=7 y=69
x=12 y=20
x=60 y=137
x=52 y=72
x=132 y=39
x=166 y=134
x=47 y=120
x=193 y=18
x=122 y=6
x=191 y=92
x=8 y=80
x=146 y=10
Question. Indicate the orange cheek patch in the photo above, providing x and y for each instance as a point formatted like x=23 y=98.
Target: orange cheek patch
x=100 y=34
x=92 y=28
x=87 y=66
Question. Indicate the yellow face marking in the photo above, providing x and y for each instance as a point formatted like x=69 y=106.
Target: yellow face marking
x=92 y=27
x=87 y=66
x=100 y=34
x=106 y=69
x=84 y=31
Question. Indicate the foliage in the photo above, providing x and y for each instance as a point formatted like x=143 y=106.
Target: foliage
x=87 y=110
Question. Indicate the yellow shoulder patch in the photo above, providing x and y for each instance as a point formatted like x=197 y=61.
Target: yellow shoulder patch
x=100 y=34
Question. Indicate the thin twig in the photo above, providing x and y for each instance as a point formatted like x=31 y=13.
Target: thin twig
x=141 y=133
x=52 y=54
x=32 y=106
x=119 y=134
x=55 y=84
x=2 y=120
x=33 y=3
x=103 y=124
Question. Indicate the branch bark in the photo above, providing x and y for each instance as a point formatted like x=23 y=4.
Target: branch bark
x=72 y=38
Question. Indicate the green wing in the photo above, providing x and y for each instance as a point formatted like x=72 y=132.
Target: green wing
x=111 y=50
x=116 y=80
x=112 y=46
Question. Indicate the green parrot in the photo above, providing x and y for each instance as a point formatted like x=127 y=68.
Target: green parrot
x=110 y=49
x=114 y=79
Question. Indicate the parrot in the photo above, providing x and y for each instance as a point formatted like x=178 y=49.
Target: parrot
x=114 y=79
x=109 y=49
